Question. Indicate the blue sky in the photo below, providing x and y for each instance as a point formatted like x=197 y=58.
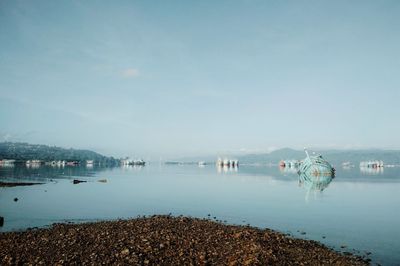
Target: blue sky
x=175 y=78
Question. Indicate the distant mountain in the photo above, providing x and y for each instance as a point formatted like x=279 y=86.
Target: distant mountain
x=356 y=156
x=333 y=156
x=272 y=157
x=24 y=151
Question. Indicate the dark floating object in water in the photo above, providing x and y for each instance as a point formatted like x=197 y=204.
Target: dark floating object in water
x=1 y=221
x=76 y=181
x=17 y=184
x=15 y=199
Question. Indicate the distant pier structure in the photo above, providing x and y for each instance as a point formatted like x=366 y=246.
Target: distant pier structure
x=227 y=165
x=372 y=167
x=289 y=163
x=7 y=163
x=129 y=162
x=371 y=164
x=227 y=162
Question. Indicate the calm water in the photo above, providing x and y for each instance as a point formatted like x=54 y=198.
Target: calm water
x=358 y=209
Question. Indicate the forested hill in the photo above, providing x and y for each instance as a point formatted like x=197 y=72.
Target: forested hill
x=24 y=151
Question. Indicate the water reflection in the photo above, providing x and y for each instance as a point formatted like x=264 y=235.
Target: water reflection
x=314 y=182
x=7 y=165
x=288 y=170
x=226 y=168
x=371 y=170
x=47 y=172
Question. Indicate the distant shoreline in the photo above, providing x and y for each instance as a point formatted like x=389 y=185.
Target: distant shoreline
x=164 y=240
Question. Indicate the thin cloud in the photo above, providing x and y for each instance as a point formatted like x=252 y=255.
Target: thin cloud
x=130 y=73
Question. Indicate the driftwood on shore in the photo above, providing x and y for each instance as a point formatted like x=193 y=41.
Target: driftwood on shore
x=163 y=240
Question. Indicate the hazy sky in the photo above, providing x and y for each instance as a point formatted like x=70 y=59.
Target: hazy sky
x=174 y=78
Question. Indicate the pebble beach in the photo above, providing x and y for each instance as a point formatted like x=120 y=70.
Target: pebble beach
x=163 y=240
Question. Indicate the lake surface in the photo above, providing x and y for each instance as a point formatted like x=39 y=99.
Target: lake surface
x=358 y=209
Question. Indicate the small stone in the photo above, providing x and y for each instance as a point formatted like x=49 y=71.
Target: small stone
x=125 y=252
x=15 y=199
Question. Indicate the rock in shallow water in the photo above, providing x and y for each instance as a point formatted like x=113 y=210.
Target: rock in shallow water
x=76 y=181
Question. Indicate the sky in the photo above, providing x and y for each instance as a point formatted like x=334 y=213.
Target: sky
x=183 y=78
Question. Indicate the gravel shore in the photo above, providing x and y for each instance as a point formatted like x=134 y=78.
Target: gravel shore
x=163 y=240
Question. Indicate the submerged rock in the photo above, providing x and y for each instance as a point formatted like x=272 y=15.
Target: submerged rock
x=77 y=181
x=17 y=184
